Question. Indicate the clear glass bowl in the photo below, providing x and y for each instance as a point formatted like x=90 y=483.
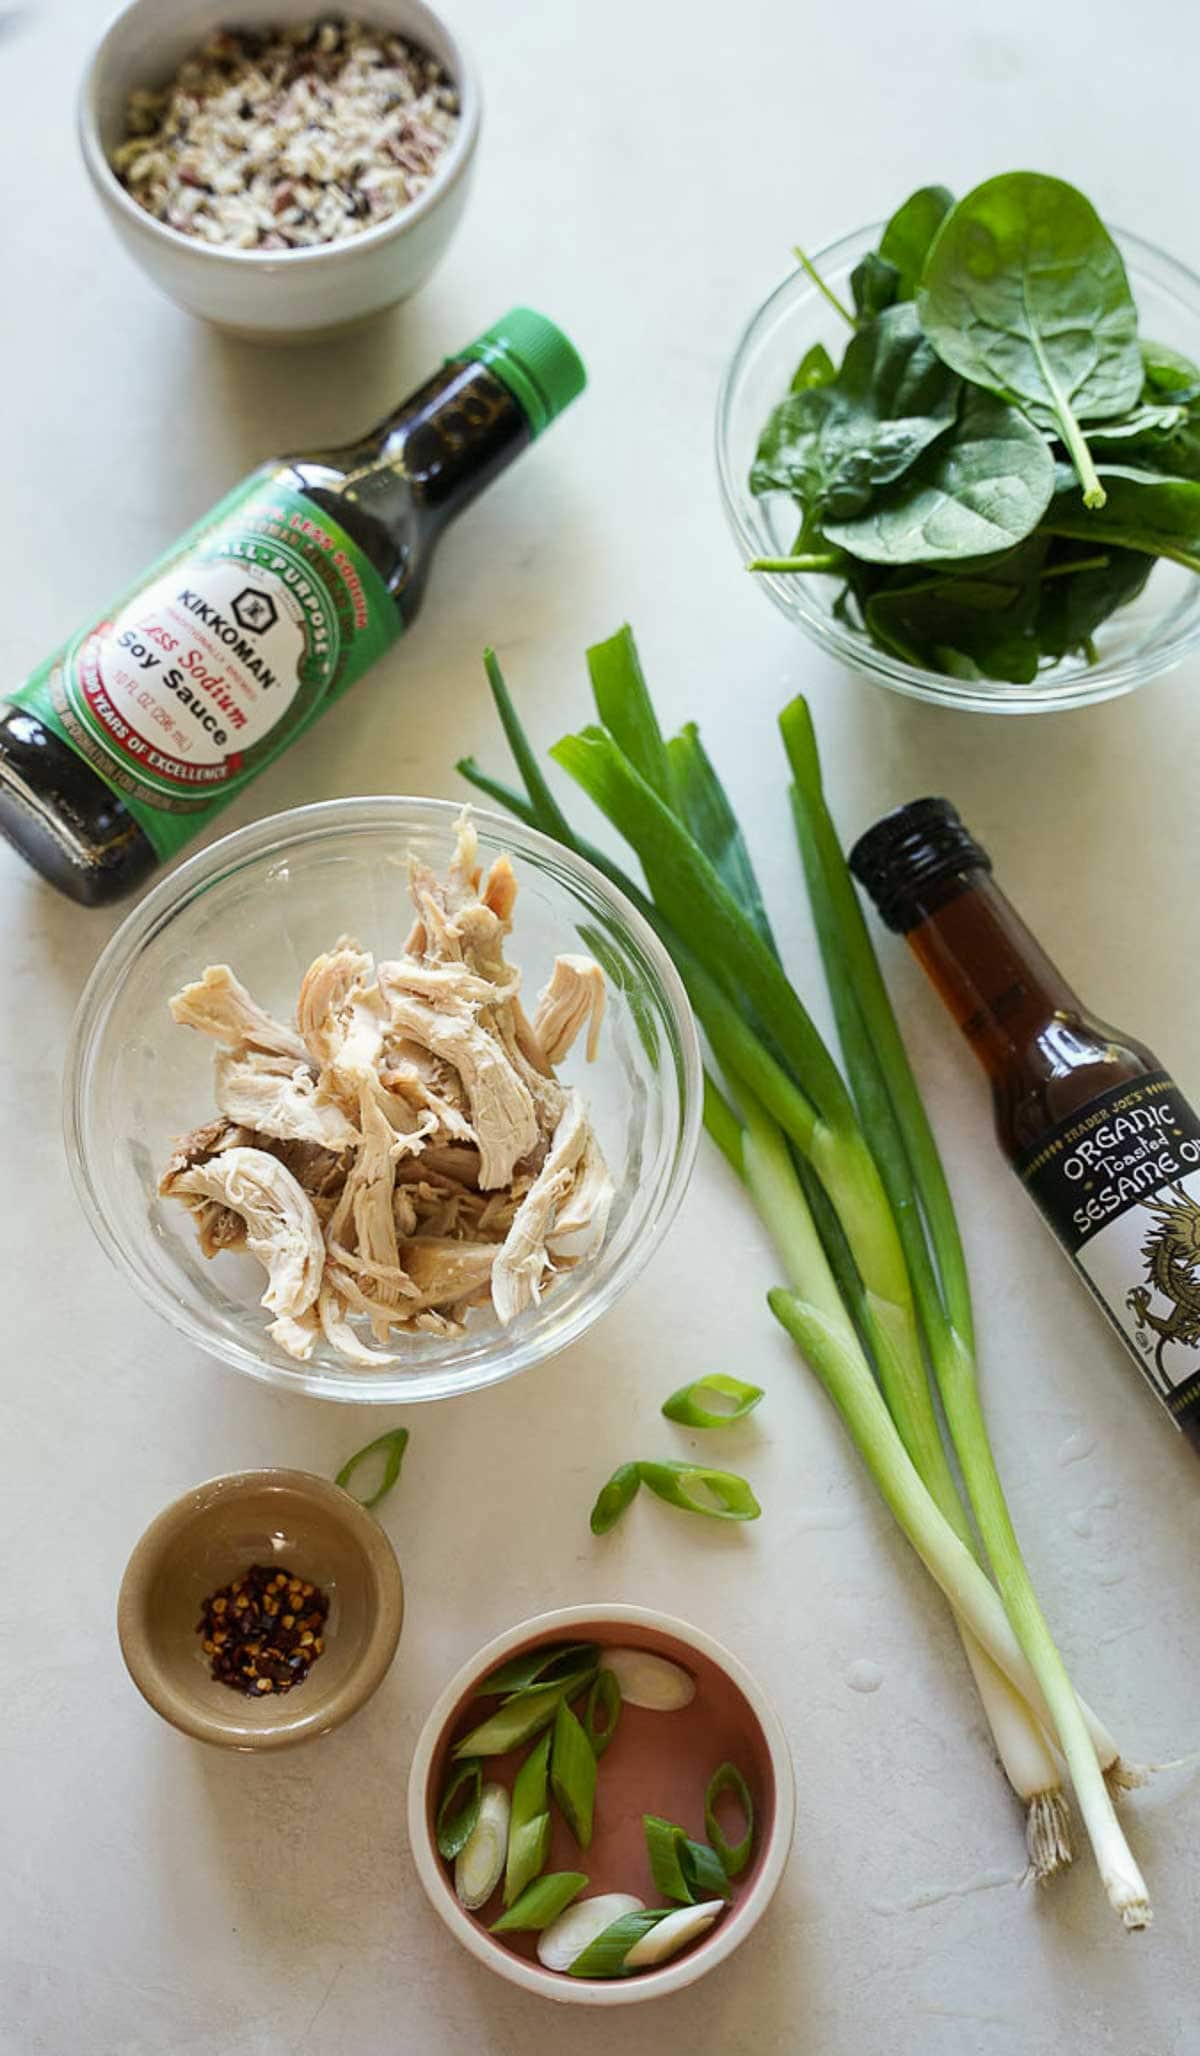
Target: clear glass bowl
x=1139 y=642
x=266 y=901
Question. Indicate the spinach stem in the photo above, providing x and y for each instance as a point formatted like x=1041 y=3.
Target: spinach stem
x=819 y=560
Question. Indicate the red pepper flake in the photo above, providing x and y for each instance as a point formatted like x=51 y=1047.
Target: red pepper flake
x=250 y=1647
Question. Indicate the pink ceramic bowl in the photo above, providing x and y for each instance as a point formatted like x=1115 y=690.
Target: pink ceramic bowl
x=658 y=1763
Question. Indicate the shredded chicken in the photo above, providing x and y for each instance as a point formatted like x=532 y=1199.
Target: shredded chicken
x=282 y=1229
x=404 y=1155
x=575 y=994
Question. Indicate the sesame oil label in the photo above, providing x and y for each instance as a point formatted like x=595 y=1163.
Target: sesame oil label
x=203 y=673
x=1119 y=1183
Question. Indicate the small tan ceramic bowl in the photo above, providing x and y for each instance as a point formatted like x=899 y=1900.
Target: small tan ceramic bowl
x=657 y=1763
x=211 y=1536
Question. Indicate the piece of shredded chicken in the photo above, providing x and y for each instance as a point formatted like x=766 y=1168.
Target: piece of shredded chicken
x=404 y=1155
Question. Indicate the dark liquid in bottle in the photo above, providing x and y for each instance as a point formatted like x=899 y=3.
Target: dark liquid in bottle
x=392 y=493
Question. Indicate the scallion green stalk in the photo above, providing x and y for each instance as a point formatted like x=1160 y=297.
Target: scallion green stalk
x=879 y=1067
x=540 y=1903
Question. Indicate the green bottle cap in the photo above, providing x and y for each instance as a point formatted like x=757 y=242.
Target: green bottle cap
x=542 y=370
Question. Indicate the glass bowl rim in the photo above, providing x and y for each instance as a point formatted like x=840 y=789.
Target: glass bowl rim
x=1109 y=677
x=304 y=826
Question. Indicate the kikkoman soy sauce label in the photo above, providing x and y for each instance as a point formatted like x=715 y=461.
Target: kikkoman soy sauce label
x=207 y=669
x=1119 y=1183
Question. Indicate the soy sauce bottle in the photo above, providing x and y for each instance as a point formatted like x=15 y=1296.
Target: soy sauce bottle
x=1095 y=1128
x=135 y=733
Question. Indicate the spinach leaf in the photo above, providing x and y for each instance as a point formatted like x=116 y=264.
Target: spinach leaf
x=1143 y=511
x=816 y=368
x=1169 y=371
x=833 y=446
x=1077 y=593
x=907 y=236
x=983 y=490
x=873 y=283
x=989 y=621
x=1150 y=421
x=1024 y=293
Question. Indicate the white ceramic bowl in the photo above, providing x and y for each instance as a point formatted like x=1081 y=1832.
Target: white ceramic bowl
x=273 y=295
x=767 y=1763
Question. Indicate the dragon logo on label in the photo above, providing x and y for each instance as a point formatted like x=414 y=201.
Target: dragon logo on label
x=1172 y=1257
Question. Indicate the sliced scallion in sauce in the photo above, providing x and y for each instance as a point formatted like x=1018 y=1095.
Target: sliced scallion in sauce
x=521 y=1717
x=614 y=1497
x=573 y=1774
x=540 y=1903
x=455 y=1823
x=712 y=1402
x=603 y=1711
x=549 y=1661
x=696 y=1488
x=605 y=1956
x=390 y=1449
x=734 y=1857
x=682 y=1869
x=529 y=1825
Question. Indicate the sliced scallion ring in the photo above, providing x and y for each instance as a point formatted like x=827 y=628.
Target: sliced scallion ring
x=540 y=1903
x=573 y=1774
x=536 y=1666
x=529 y=1826
x=614 y=1497
x=663 y=1841
x=454 y=1824
x=520 y=1717
x=682 y=1869
x=696 y=1488
x=479 y=1865
x=603 y=1699
x=391 y=1448
x=605 y=1956
x=728 y=1778
x=673 y=1931
x=688 y=1406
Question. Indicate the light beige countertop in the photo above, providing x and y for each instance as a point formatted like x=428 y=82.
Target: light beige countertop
x=644 y=170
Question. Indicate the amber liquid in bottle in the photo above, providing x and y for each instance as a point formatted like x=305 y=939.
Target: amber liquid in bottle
x=1084 y=1112
x=392 y=492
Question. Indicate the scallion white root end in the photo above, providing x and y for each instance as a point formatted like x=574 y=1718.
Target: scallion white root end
x=1048 y=1835
x=1120 y=1776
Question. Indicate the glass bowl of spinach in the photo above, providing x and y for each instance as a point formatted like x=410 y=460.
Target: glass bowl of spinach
x=950 y=539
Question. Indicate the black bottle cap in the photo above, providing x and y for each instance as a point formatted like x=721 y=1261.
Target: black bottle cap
x=907 y=851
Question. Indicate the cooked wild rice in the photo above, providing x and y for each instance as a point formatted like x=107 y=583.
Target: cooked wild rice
x=288 y=137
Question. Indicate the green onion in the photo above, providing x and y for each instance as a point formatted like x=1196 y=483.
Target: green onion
x=453 y=1827
x=850 y=1221
x=682 y=1869
x=546 y=1662
x=912 y=1170
x=688 y=1408
x=529 y=1823
x=540 y=1903
x=677 y=1928
x=604 y=1698
x=614 y=1497
x=395 y=1442
x=605 y=1957
x=520 y=1717
x=479 y=1865
x=728 y=1778
x=722 y=1495
x=573 y=1774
